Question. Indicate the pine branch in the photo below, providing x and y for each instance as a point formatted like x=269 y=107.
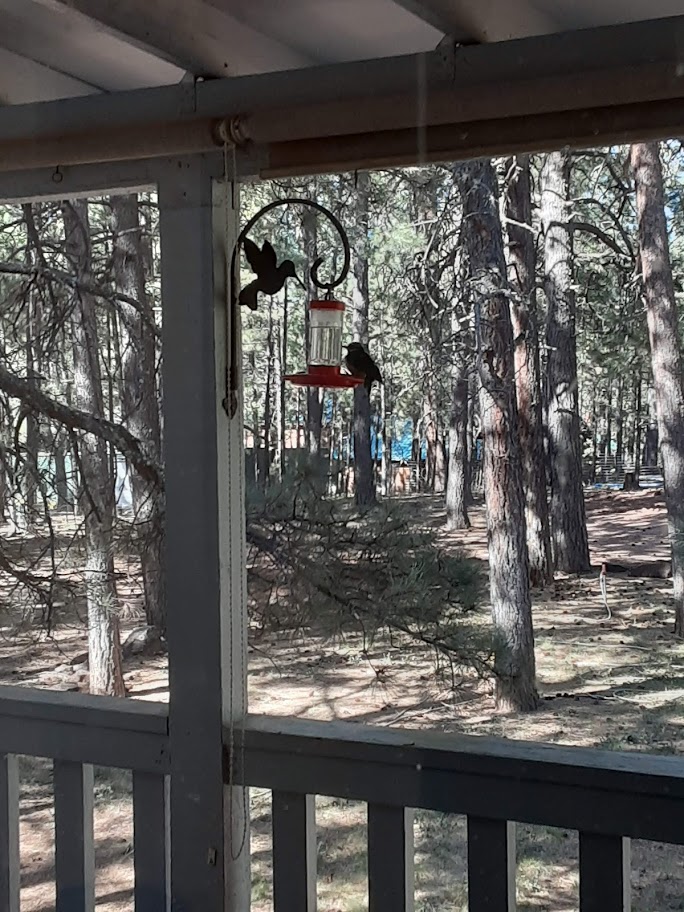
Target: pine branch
x=75 y=419
x=63 y=278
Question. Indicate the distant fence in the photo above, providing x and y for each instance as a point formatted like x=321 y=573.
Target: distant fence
x=611 y=473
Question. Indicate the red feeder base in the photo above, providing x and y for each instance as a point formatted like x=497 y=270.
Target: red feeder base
x=321 y=375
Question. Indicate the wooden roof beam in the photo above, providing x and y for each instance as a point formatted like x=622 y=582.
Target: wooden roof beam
x=390 y=101
x=188 y=33
x=482 y=21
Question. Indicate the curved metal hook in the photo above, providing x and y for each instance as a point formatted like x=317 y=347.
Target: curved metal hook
x=298 y=201
x=230 y=401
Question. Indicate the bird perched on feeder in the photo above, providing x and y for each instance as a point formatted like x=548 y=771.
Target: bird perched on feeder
x=360 y=364
x=270 y=277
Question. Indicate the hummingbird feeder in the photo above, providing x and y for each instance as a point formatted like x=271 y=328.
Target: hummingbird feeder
x=326 y=319
x=326 y=315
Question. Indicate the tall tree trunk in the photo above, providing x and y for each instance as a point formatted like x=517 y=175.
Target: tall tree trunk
x=97 y=489
x=386 y=455
x=651 y=442
x=522 y=259
x=457 y=477
x=504 y=497
x=30 y=474
x=61 y=480
x=637 y=426
x=619 y=426
x=568 y=521
x=364 y=481
x=666 y=357
x=139 y=400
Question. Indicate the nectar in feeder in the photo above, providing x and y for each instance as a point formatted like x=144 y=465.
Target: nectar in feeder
x=326 y=320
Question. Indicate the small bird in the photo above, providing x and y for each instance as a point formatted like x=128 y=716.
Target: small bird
x=360 y=364
x=270 y=277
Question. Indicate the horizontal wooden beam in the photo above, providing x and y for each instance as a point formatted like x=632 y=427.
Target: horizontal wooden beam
x=582 y=129
x=606 y=67
x=599 y=792
x=103 y=731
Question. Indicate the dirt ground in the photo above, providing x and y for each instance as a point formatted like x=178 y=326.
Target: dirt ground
x=613 y=683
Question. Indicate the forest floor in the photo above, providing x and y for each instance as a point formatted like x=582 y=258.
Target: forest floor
x=612 y=683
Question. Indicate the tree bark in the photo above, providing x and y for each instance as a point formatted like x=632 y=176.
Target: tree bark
x=139 y=401
x=666 y=357
x=61 y=481
x=522 y=260
x=568 y=521
x=457 y=477
x=97 y=489
x=364 y=481
x=504 y=497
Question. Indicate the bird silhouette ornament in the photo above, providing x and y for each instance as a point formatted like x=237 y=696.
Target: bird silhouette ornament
x=360 y=364
x=270 y=277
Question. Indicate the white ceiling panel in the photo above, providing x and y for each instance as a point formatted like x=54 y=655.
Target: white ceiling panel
x=57 y=48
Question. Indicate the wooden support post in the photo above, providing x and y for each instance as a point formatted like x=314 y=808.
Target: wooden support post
x=74 y=846
x=205 y=542
x=9 y=833
x=390 y=859
x=150 y=841
x=605 y=863
x=294 y=852
x=491 y=865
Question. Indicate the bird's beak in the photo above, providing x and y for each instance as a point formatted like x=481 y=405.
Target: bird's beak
x=299 y=281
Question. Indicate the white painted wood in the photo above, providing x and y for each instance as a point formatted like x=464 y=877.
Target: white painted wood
x=338 y=31
x=486 y=20
x=192 y=537
x=23 y=81
x=9 y=833
x=608 y=67
x=69 y=43
x=232 y=551
x=106 y=179
x=191 y=34
x=204 y=532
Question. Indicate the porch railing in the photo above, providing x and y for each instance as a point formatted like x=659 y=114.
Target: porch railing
x=609 y=798
x=78 y=732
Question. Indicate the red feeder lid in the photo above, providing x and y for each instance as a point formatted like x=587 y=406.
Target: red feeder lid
x=323 y=375
x=326 y=305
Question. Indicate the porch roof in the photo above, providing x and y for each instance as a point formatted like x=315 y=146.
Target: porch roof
x=53 y=49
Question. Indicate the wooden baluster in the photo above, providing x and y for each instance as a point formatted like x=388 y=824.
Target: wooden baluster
x=294 y=852
x=150 y=841
x=9 y=833
x=74 y=855
x=491 y=865
x=604 y=863
x=390 y=859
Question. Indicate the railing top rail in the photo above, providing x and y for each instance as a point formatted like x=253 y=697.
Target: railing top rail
x=83 y=709
x=597 y=791
x=405 y=747
x=130 y=734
